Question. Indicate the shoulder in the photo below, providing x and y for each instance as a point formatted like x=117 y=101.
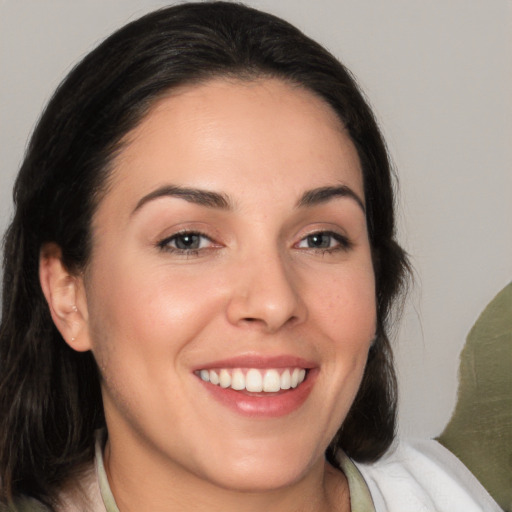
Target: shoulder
x=424 y=476
x=82 y=495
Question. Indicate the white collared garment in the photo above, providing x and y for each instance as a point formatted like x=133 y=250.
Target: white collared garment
x=423 y=476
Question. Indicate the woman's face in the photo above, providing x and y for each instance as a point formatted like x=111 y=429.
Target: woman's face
x=229 y=254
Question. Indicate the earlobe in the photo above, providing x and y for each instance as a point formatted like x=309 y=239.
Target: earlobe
x=65 y=295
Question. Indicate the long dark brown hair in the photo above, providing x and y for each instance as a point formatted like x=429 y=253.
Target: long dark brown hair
x=50 y=399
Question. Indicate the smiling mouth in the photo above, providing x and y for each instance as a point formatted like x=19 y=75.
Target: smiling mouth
x=254 y=380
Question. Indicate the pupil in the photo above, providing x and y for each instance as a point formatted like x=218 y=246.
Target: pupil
x=187 y=242
x=318 y=241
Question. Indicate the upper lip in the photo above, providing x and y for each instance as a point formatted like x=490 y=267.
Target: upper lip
x=259 y=361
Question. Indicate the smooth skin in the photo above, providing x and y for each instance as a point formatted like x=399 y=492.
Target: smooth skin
x=179 y=278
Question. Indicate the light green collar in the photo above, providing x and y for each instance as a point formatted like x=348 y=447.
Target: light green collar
x=106 y=493
x=360 y=497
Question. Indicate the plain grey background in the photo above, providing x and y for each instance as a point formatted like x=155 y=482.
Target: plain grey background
x=439 y=76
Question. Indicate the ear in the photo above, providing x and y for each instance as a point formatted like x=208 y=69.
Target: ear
x=66 y=298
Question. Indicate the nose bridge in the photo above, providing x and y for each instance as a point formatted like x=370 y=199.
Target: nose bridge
x=266 y=292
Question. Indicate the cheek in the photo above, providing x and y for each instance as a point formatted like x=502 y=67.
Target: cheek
x=346 y=316
x=141 y=326
x=141 y=316
x=346 y=305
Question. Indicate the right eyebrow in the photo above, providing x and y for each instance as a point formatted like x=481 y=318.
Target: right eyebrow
x=192 y=195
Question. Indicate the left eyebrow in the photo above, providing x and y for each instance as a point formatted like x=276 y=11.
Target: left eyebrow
x=324 y=194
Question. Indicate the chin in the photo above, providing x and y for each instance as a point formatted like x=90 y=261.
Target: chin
x=265 y=470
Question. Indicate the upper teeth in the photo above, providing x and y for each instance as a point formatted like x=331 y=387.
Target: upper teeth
x=253 y=379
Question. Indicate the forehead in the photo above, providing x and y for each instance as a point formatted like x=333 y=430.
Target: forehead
x=223 y=132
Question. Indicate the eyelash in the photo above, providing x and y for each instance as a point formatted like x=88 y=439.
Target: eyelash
x=164 y=244
x=343 y=243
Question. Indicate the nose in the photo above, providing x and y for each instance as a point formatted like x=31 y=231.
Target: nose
x=266 y=295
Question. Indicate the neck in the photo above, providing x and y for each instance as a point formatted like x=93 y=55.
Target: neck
x=160 y=486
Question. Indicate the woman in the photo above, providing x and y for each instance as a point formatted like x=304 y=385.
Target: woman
x=198 y=280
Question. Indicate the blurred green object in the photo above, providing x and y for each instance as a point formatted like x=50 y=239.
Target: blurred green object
x=480 y=430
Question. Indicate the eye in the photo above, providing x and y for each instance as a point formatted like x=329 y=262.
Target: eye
x=326 y=241
x=185 y=242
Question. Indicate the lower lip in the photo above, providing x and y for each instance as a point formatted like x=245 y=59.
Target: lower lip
x=263 y=405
